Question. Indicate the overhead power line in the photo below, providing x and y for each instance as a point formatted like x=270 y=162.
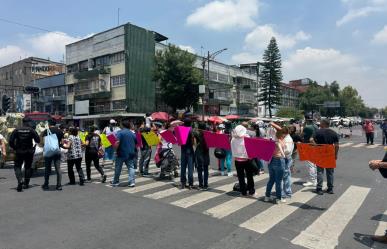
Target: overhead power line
x=30 y=26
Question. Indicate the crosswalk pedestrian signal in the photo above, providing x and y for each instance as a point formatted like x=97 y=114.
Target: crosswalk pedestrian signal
x=6 y=103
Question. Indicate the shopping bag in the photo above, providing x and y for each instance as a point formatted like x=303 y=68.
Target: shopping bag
x=51 y=144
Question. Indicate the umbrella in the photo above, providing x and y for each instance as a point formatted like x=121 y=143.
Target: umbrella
x=163 y=116
x=216 y=119
x=232 y=117
x=177 y=123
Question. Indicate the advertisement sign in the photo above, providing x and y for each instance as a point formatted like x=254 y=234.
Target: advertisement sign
x=26 y=102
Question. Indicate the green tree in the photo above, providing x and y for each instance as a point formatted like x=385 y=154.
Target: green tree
x=351 y=102
x=314 y=97
x=178 y=77
x=271 y=77
x=289 y=112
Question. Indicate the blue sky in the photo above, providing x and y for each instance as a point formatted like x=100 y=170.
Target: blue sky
x=344 y=40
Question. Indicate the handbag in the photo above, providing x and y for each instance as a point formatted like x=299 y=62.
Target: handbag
x=220 y=153
x=51 y=144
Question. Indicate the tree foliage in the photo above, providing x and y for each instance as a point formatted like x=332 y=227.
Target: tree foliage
x=178 y=77
x=271 y=77
x=289 y=112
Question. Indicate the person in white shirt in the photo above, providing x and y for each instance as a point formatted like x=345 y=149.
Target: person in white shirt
x=111 y=129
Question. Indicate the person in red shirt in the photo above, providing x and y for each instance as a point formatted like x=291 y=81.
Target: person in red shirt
x=369 y=131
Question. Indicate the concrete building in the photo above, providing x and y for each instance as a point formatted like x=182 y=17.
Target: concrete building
x=289 y=96
x=110 y=74
x=52 y=97
x=14 y=77
x=301 y=85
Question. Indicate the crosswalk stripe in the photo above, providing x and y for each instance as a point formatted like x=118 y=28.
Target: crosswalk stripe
x=207 y=195
x=359 y=145
x=325 y=231
x=345 y=145
x=149 y=186
x=373 y=146
x=380 y=231
x=235 y=204
x=175 y=190
x=264 y=221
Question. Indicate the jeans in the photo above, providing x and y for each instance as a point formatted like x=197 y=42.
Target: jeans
x=118 y=168
x=370 y=137
x=144 y=160
x=91 y=157
x=287 y=179
x=187 y=156
x=320 y=178
x=384 y=137
x=242 y=168
x=226 y=160
x=312 y=171
x=202 y=175
x=70 y=168
x=276 y=174
x=109 y=153
x=47 y=169
x=25 y=158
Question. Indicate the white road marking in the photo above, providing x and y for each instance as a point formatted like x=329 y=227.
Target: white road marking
x=373 y=146
x=345 y=145
x=207 y=195
x=264 y=221
x=359 y=145
x=325 y=231
x=149 y=186
x=380 y=231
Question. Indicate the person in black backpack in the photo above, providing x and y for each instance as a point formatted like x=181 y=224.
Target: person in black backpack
x=93 y=144
x=21 y=141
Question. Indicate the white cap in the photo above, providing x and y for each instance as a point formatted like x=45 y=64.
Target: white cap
x=112 y=121
x=221 y=126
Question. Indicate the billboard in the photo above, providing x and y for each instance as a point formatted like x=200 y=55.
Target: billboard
x=81 y=107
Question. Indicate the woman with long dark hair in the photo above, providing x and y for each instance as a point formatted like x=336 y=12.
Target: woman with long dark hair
x=74 y=156
x=93 y=145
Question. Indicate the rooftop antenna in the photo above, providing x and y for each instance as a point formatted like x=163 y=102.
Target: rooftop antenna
x=118 y=17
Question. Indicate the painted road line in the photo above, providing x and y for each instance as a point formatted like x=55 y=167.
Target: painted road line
x=264 y=221
x=345 y=145
x=176 y=190
x=380 y=231
x=149 y=186
x=207 y=195
x=359 y=145
x=326 y=230
x=373 y=146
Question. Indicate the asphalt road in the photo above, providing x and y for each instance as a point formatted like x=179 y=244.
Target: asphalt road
x=158 y=215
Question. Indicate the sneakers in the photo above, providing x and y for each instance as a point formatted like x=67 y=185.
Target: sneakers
x=283 y=200
x=230 y=174
x=103 y=179
x=132 y=185
x=45 y=187
x=222 y=173
x=59 y=187
x=319 y=191
x=267 y=199
x=330 y=191
x=309 y=184
x=112 y=184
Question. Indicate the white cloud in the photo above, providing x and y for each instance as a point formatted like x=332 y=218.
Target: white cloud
x=187 y=48
x=358 y=9
x=381 y=36
x=245 y=57
x=327 y=65
x=46 y=45
x=259 y=38
x=220 y=15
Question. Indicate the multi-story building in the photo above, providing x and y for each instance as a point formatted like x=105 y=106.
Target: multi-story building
x=14 y=77
x=52 y=95
x=301 y=85
x=110 y=74
x=289 y=96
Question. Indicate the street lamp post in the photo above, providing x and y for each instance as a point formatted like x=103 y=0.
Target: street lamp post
x=210 y=56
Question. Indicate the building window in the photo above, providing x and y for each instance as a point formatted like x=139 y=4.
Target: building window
x=72 y=68
x=102 y=61
x=118 y=80
x=83 y=66
x=118 y=57
x=119 y=104
x=70 y=88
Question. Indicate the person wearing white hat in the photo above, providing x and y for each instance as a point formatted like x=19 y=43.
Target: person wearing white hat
x=111 y=129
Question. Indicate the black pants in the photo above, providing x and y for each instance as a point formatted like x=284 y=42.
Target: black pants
x=245 y=168
x=95 y=159
x=70 y=168
x=370 y=137
x=384 y=138
x=25 y=158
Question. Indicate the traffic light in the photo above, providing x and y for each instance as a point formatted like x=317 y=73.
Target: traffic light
x=32 y=89
x=6 y=101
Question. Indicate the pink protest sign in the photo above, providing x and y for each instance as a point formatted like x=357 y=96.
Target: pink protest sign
x=181 y=133
x=139 y=139
x=259 y=148
x=112 y=139
x=214 y=140
x=168 y=136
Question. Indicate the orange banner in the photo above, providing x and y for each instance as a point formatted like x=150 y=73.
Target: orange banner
x=322 y=155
